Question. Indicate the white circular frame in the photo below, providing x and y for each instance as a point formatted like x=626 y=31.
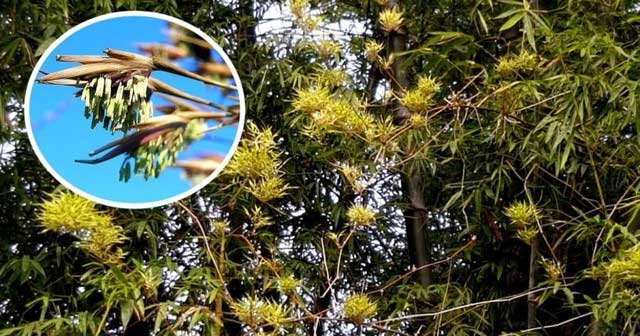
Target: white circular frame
x=135 y=205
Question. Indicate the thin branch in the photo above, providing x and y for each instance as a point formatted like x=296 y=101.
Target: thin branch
x=417 y=269
x=204 y=238
x=545 y=327
x=470 y=305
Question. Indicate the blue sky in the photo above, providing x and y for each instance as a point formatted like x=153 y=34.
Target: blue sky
x=63 y=134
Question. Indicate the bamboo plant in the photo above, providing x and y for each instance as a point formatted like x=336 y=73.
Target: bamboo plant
x=117 y=88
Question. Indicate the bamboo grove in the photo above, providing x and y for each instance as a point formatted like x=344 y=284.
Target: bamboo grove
x=444 y=167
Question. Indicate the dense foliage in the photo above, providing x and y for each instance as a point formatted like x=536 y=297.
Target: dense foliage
x=428 y=167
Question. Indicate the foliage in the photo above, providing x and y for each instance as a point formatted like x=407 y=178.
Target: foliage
x=521 y=167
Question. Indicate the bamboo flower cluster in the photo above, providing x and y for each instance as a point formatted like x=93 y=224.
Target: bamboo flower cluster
x=66 y=212
x=117 y=89
x=302 y=17
x=114 y=87
x=330 y=113
x=419 y=99
x=372 y=50
x=257 y=162
x=510 y=65
x=358 y=308
x=152 y=157
x=391 y=20
x=255 y=313
x=624 y=269
x=359 y=215
x=107 y=108
x=523 y=216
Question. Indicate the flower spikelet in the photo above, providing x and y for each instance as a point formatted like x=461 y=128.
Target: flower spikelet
x=625 y=268
x=391 y=19
x=510 y=65
x=428 y=86
x=273 y=314
x=256 y=156
x=246 y=310
x=301 y=15
x=358 y=307
x=381 y=131
x=553 y=268
x=255 y=312
x=372 y=51
x=161 y=152
x=258 y=218
x=527 y=234
x=257 y=162
x=288 y=284
x=360 y=216
x=101 y=243
x=417 y=121
x=65 y=212
x=339 y=116
x=419 y=99
x=522 y=214
x=330 y=78
x=268 y=189
x=328 y=48
x=119 y=104
x=352 y=175
x=312 y=100
x=298 y=8
x=415 y=102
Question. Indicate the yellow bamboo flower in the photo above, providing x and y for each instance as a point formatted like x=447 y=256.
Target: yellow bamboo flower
x=522 y=214
x=358 y=307
x=372 y=51
x=359 y=215
x=391 y=20
x=65 y=212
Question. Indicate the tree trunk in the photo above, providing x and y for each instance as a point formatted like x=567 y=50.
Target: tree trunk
x=531 y=298
x=246 y=37
x=246 y=34
x=415 y=214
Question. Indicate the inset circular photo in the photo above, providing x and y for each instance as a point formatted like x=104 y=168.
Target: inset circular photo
x=134 y=109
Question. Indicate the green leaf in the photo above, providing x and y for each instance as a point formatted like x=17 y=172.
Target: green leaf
x=508 y=13
x=25 y=264
x=512 y=21
x=511 y=2
x=7 y=53
x=126 y=309
x=483 y=23
x=568 y=293
x=160 y=317
x=530 y=34
x=439 y=39
x=38 y=268
x=43 y=46
x=45 y=305
x=454 y=198
x=564 y=157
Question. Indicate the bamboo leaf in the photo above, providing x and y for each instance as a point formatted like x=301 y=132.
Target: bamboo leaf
x=529 y=32
x=43 y=46
x=512 y=21
x=126 y=309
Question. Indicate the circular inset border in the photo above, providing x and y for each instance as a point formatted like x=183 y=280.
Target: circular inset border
x=134 y=205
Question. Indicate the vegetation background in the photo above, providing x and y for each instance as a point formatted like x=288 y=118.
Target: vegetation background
x=449 y=167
